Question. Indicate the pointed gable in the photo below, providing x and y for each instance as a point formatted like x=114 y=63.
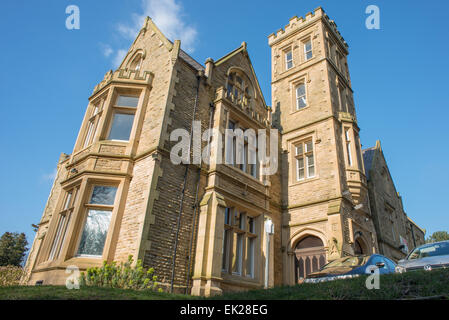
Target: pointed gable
x=239 y=58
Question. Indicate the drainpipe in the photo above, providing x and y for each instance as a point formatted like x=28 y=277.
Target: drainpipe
x=178 y=223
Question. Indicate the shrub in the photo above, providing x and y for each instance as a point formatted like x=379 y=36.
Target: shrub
x=10 y=275
x=123 y=276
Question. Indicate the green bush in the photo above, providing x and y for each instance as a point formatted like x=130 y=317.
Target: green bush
x=10 y=276
x=123 y=276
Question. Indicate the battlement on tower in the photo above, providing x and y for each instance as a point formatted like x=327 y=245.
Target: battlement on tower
x=296 y=23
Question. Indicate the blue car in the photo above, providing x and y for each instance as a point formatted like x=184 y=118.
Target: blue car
x=352 y=266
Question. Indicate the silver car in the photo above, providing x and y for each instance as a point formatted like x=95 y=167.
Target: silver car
x=426 y=257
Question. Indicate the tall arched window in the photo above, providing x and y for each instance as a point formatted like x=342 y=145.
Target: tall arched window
x=136 y=63
x=239 y=88
x=310 y=256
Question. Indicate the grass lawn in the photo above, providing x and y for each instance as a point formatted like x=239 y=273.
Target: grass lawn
x=412 y=285
x=84 y=293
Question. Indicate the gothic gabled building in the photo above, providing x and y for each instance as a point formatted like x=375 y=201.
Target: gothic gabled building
x=209 y=226
x=397 y=234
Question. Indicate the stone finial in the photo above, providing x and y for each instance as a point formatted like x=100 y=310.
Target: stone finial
x=145 y=23
x=378 y=146
x=244 y=45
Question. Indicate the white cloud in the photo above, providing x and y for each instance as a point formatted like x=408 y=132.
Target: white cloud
x=168 y=16
x=118 y=58
x=106 y=49
x=49 y=176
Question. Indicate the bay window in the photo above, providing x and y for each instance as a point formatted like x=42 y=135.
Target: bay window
x=239 y=243
x=63 y=218
x=97 y=221
x=240 y=148
x=123 y=113
x=92 y=124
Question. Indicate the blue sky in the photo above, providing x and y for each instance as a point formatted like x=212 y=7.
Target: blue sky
x=399 y=77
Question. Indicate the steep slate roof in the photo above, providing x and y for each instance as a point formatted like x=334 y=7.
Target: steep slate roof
x=190 y=60
x=368 y=155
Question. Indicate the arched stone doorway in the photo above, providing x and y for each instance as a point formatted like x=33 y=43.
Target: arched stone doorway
x=359 y=247
x=310 y=256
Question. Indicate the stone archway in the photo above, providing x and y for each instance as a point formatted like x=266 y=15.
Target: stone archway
x=310 y=256
x=360 y=247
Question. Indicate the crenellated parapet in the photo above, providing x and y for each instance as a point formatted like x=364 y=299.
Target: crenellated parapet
x=296 y=24
x=125 y=76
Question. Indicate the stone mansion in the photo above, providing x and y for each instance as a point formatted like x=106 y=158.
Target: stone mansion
x=212 y=227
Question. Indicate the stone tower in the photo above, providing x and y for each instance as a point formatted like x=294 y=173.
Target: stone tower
x=326 y=212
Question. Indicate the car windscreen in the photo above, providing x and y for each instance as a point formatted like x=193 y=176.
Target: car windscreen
x=430 y=250
x=347 y=262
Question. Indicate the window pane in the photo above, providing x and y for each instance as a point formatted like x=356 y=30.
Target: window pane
x=308 y=50
x=103 y=195
x=311 y=171
x=239 y=80
x=57 y=237
x=308 y=45
x=242 y=222
x=90 y=129
x=301 y=90
x=348 y=150
x=289 y=59
x=301 y=102
x=310 y=161
x=227 y=215
x=94 y=233
x=309 y=55
x=127 y=101
x=300 y=163
x=64 y=234
x=250 y=257
x=229 y=89
x=299 y=150
x=224 y=264
x=309 y=147
x=251 y=225
x=121 y=126
x=67 y=200
x=310 y=166
x=301 y=174
x=300 y=168
x=237 y=263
